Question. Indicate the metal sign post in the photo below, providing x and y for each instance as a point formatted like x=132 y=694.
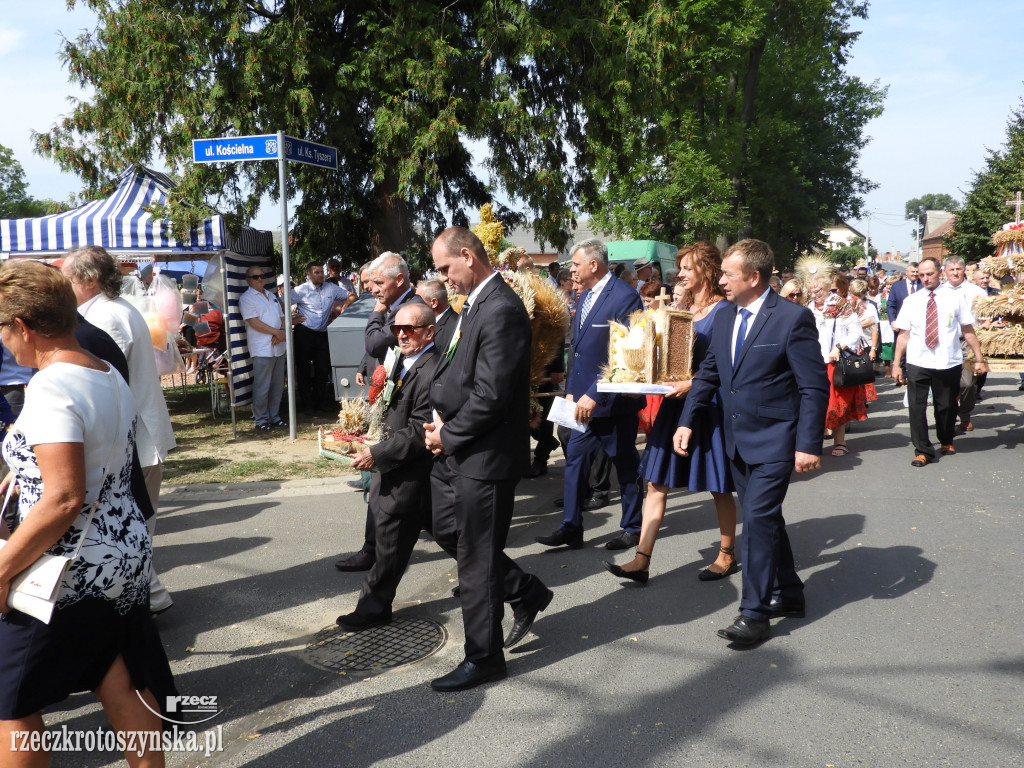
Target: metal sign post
x=281 y=148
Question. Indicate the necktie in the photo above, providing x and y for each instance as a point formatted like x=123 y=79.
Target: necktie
x=931 y=323
x=585 y=309
x=744 y=316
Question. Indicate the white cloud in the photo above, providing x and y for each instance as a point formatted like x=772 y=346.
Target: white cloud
x=11 y=40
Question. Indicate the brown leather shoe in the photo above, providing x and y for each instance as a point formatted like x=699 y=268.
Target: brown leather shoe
x=948 y=450
x=360 y=561
x=920 y=460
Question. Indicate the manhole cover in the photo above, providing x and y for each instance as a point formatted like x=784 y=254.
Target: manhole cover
x=405 y=639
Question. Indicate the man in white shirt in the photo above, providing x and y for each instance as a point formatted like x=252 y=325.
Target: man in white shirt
x=957 y=282
x=96 y=280
x=934 y=319
x=264 y=330
x=318 y=302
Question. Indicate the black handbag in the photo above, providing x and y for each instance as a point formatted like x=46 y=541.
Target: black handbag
x=853 y=370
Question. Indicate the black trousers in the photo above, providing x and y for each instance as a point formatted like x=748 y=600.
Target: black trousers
x=312 y=367
x=471 y=519
x=395 y=537
x=944 y=386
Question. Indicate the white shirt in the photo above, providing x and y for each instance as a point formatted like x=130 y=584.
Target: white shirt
x=315 y=303
x=128 y=329
x=967 y=291
x=407 y=362
x=870 y=311
x=598 y=287
x=953 y=313
x=262 y=306
x=753 y=308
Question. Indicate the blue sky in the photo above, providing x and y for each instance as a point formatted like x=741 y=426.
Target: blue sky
x=952 y=68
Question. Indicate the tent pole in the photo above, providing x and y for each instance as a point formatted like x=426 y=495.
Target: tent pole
x=282 y=182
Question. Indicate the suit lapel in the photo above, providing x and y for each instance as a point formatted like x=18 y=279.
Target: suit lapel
x=598 y=303
x=465 y=320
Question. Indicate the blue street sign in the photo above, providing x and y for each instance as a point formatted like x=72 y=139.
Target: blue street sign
x=299 y=151
x=232 y=150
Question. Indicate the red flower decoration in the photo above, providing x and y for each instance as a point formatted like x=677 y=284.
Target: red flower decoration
x=377 y=382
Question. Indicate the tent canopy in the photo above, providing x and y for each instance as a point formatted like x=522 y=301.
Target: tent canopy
x=122 y=224
x=124 y=227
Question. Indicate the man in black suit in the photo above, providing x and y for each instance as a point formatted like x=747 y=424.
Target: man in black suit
x=400 y=489
x=387 y=278
x=390 y=286
x=435 y=295
x=480 y=432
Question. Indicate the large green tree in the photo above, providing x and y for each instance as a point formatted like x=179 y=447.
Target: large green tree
x=663 y=119
x=985 y=210
x=399 y=87
x=750 y=126
x=917 y=208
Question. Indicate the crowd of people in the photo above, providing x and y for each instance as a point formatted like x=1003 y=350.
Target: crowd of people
x=91 y=429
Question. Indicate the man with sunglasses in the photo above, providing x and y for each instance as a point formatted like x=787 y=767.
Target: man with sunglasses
x=264 y=330
x=400 y=489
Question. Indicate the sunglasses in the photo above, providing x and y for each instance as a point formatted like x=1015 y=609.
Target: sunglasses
x=407 y=329
x=256 y=277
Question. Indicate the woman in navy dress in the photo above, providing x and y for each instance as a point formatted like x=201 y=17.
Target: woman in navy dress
x=707 y=468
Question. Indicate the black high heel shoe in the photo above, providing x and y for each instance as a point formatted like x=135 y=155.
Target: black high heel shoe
x=708 y=575
x=640 y=577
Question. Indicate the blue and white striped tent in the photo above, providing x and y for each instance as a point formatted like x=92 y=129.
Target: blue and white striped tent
x=125 y=227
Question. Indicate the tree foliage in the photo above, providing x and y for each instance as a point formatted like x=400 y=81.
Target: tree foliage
x=917 y=208
x=750 y=125
x=671 y=120
x=849 y=255
x=15 y=202
x=984 y=210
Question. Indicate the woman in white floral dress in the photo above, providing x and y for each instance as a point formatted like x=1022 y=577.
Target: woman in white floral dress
x=70 y=447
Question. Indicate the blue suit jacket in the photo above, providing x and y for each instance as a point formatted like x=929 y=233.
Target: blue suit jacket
x=897 y=295
x=775 y=401
x=616 y=302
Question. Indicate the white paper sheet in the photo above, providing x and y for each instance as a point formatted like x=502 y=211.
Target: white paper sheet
x=563 y=413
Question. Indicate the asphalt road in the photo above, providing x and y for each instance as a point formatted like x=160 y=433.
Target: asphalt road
x=912 y=652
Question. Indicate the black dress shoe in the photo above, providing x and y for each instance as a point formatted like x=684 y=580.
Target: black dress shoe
x=357 y=622
x=559 y=502
x=746 y=631
x=640 y=577
x=536 y=469
x=624 y=540
x=360 y=561
x=563 y=537
x=525 y=616
x=471 y=674
x=595 y=502
x=790 y=609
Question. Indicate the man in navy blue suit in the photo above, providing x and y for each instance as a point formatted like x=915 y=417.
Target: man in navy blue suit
x=765 y=363
x=611 y=420
x=900 y=290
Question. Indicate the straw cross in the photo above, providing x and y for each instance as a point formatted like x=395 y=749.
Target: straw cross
x=1016 y=203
